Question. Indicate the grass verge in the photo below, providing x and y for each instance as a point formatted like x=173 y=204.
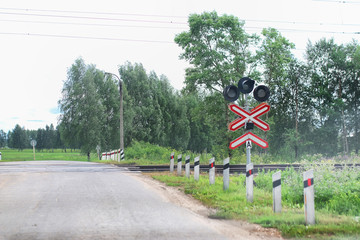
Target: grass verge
x=8 y=155
x=232 y=204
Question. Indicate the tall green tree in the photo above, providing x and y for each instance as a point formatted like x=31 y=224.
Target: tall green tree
x=154 y=112
x=18 y=138
x=275 y=56
x=219 y=52
x=3 y=139
x=352 y=94
x=326 y=60
x=81 y=108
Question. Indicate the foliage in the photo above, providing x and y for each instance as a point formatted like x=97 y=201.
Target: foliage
x=233 y=204
x=87 y=112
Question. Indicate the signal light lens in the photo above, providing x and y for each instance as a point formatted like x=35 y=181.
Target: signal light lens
x=231 y=93
x=246 y=85
x=261 y=93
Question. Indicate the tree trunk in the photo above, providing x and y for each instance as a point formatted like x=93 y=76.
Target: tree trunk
x=296 y=119
x=356 y=135
x=345 y=142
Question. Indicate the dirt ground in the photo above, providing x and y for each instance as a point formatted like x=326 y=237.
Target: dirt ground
x=232 y=229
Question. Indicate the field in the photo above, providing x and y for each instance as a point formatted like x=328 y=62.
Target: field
x=56 y=154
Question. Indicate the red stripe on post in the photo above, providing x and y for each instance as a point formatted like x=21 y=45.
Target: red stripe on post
x=309 y=182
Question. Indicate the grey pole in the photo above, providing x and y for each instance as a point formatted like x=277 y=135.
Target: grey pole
x=172 y=162
x=226 y=170
x=212 y=171
x=187 y=166
x=248 y=149
x=179 y=165
x=276 y=179
x=309 y=204
x=249 y=182
x=196 y=168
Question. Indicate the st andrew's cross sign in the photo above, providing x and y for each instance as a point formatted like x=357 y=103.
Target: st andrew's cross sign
x=252 y=116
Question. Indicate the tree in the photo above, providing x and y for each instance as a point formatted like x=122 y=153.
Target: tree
x=353 y=92
x=82 y=111
x=18 y=138
x=3 y=139
x=326 y=62
x=219 y=51
x=275 y=56
x=109 y=96
x=153 y=112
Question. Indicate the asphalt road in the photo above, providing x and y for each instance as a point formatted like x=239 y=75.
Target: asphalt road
x=80 y=200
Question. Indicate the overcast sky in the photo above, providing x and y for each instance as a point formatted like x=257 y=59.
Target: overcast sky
x=40 y=40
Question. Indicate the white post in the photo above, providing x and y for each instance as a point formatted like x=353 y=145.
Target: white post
x=179 y=165
x=187 y=166
x=309 y=204
x=226 y=173
x=276 y=179
x=249 y=182
x=172 y=162
x=112 y=155
x=212 y=171
x=108 y=156
x=196 y=168
x=122 y=154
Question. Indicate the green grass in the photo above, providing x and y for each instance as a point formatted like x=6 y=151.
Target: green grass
x=232 y=204
x=56 y=154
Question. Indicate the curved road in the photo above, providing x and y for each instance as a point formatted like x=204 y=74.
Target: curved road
x=81 y=200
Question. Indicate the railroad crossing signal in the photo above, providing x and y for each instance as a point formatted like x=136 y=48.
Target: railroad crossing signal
x=249 y=117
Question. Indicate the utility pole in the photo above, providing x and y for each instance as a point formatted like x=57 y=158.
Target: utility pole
x=121 y=110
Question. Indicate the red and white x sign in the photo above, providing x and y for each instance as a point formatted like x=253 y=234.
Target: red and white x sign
x=249 y=116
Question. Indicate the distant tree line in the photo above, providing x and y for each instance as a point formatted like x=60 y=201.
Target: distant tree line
x=19 y=138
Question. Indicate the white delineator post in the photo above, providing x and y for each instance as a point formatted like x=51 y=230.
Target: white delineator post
x=122 y=154
x=107 y=156
x=172 y=162
x=226 y=173
x=118 y=155
x=276 y=179
x=103 y=156
x=309 y=197
x=179 y=165
x=249 y=182
x=187 y=166
x=196 y=168
x=212 y=171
